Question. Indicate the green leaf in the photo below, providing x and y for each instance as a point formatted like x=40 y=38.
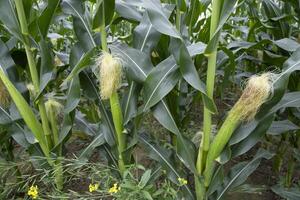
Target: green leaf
x=182 y=5
x=161 y=155
x=130 y=100
x=193 y=14
x=145 y=35
x=185 y=148
x=67 y=126
x=109 y=7
x=161 y=80
x=128 y=11
x=162 y=113
x=196 y=49
x=47 y=15
x=189 y=72
x=80 y=23
x=97 y=141
x=254 y=137
x=287 y=193
x=86 y=60
x=240 y=172
x=287 y=44
x=25 y=111
x=136 y=63
x=17 y=131
x=108 y=127
x=279 y=127
x=8 y=63
x=87 y=151
x=145 y=178
x=47 y=64
x=227 y=10
x=145 y=39
x=73 y=96
x=159 y=20
x=216 y=181
x=9 y=18
x=289 y=100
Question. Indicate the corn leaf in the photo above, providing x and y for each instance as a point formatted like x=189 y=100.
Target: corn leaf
x=25 y=110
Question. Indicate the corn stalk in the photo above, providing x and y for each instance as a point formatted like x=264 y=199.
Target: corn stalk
x=210 y=81
x=114 y=104
x=46 y=140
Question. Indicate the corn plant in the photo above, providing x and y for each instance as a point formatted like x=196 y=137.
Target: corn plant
x=101 y=67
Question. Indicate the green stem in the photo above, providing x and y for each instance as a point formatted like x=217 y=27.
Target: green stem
x=102 y=29
x=200 y=189
x=191 y=20
x=118 y=122
x=210 y=81
x=173 y=106
x=58 y=174
x=33 y=71
x=54 y=126
x=178 y=16
x=289 y=173
x=58 y=167
x=220 y=141
x=115 y=105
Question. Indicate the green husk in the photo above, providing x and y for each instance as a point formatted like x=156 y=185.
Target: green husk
x=257 y=91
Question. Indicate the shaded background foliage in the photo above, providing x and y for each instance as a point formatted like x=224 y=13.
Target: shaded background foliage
x=165 y=65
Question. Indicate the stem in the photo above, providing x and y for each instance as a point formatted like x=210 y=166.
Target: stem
x=33 y=71
x=200 y=189
x=219 y=142
x=191 y=20
x=118 y=122
x=289 y=173
x=58 y=174
x=210 y=80
x=115 y=105
x=54 y=125
x=178 y=16
x=58 y=167
x=173 y=106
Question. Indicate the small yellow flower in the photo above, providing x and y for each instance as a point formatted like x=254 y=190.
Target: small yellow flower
x=93 y=187
x=114 y=189
x=182 y=181
x=33 y=192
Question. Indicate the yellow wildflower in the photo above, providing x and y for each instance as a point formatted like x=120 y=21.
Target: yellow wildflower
x=182 y=181
x=114 y=189
x=93 y=187
x=33 y=192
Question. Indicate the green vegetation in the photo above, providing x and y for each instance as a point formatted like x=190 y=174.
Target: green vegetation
x=149 y=99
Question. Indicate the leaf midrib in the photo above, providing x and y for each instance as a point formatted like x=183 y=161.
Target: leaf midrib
x=156 y=87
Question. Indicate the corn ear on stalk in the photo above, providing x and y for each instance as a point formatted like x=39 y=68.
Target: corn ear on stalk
x=110 y=72
x=257 y=91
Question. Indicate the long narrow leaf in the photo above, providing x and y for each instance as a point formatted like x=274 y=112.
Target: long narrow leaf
x=25 y=111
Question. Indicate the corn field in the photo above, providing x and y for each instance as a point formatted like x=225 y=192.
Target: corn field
x=150 y=99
